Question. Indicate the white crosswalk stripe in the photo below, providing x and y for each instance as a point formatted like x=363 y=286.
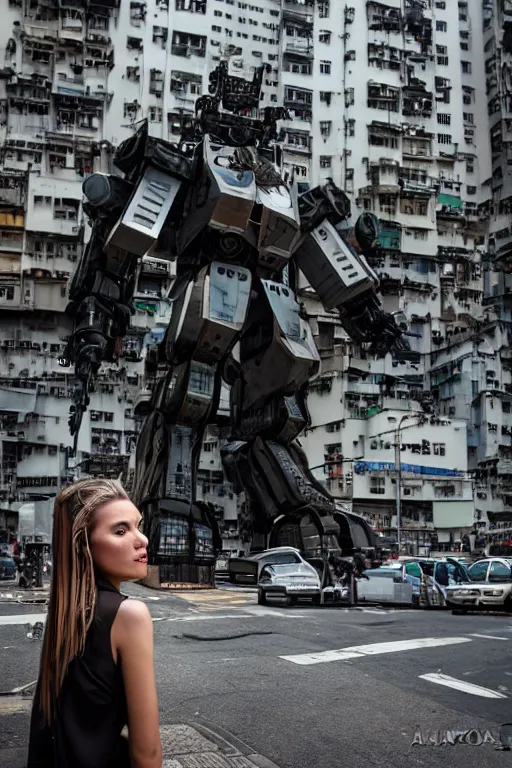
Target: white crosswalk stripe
x=362 y=651
x=489 y=637
x=462 y=685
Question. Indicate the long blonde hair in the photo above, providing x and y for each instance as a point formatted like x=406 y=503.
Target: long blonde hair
x=73 y=586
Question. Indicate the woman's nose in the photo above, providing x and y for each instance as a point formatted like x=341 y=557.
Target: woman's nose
x=143 y=541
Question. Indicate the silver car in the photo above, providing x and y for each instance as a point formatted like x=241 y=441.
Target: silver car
x=490 y=587
x=290 y=582
x=247 y=569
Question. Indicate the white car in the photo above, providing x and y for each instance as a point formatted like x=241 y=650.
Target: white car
x=290 y=582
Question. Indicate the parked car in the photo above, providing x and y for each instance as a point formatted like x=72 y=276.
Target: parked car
x=440 y=573
x=221 y=564
x=490 y=587
x=246 y=570
x=7 y=567
x=387 y=584
x=290 y=582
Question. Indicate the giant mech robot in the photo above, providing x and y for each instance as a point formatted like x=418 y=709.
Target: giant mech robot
x=222 y=207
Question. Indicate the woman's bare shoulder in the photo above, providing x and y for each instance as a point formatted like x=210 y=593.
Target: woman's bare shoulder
x=133 y=615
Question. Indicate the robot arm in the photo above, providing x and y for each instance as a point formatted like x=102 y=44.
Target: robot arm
x=128 y=216
x=341 y=277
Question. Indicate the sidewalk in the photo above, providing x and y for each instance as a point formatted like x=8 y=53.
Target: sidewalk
x=10 y=593
x=185 y=745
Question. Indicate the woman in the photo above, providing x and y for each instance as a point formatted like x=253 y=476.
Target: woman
x=96 y=674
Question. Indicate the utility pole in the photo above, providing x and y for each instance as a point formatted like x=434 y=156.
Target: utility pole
x=398 y=469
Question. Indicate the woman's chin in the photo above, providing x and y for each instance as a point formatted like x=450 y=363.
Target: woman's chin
x=141 y=571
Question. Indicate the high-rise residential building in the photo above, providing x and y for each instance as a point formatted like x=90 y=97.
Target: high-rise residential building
x=404 y=104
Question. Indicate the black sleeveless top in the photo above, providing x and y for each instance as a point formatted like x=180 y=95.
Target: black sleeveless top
x=91 y=707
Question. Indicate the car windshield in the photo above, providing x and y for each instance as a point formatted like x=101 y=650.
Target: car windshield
x=381 y=573
x=280 y=569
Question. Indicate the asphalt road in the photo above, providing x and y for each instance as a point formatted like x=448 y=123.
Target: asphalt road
x=219 y=664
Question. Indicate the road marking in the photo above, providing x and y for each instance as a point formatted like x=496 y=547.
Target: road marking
x=461 y=685
x=361 y=651
x=27 y=618
x=489 y=637
x=21 y=688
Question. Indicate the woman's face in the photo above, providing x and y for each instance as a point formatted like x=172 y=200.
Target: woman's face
x=118 y=548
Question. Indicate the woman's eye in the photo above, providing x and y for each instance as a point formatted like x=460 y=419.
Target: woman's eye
x=120 y=530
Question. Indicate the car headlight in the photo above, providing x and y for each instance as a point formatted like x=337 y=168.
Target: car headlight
x=493 y=592
x=466 y=592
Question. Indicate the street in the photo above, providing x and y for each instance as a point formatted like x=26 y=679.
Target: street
x=300 y=687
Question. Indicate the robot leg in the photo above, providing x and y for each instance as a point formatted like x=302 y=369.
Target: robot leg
x=208 y=313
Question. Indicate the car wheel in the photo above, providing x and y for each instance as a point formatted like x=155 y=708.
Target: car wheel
x=508 y=604
x=416 y=601
x=317 y=599
x=232 y=579
x=262 y=598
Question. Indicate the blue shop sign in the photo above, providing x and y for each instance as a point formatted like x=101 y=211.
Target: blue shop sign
x=376 y=466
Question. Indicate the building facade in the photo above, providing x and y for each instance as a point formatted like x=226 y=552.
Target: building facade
x=404 y=104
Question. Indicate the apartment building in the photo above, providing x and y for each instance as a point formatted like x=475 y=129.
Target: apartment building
x=389 y=99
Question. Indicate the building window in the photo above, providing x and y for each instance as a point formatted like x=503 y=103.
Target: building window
x=325 y=67
x=324 y=9
x=442 y=61
x=439 y=449
x=378 y=485
x=466 y=67
x=325 y=97
x=324 y=36
x=325 y=161
x=468 y=117
x=470 y=165
x=155 y=114
x=444 y=138
x=441 y=5
x=413 y=207
x=443 y=118
x=441 y=26
x=387 y=204
x=193 y=6
x=325 y=128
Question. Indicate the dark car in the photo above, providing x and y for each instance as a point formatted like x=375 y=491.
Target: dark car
x=7 y=567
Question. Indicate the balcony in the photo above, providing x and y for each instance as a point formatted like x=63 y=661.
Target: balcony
x=299 y=46
x=417 y=102
x=299 y=12
x=363 y=388
x=449 y=207
x=411 y=180
x=71 y=28
x=382 y=96
x=389 y=237
x=10 y=293
x=386 y=18
x=72 y=85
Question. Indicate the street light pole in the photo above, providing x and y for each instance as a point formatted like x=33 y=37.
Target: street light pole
x=398 y=468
